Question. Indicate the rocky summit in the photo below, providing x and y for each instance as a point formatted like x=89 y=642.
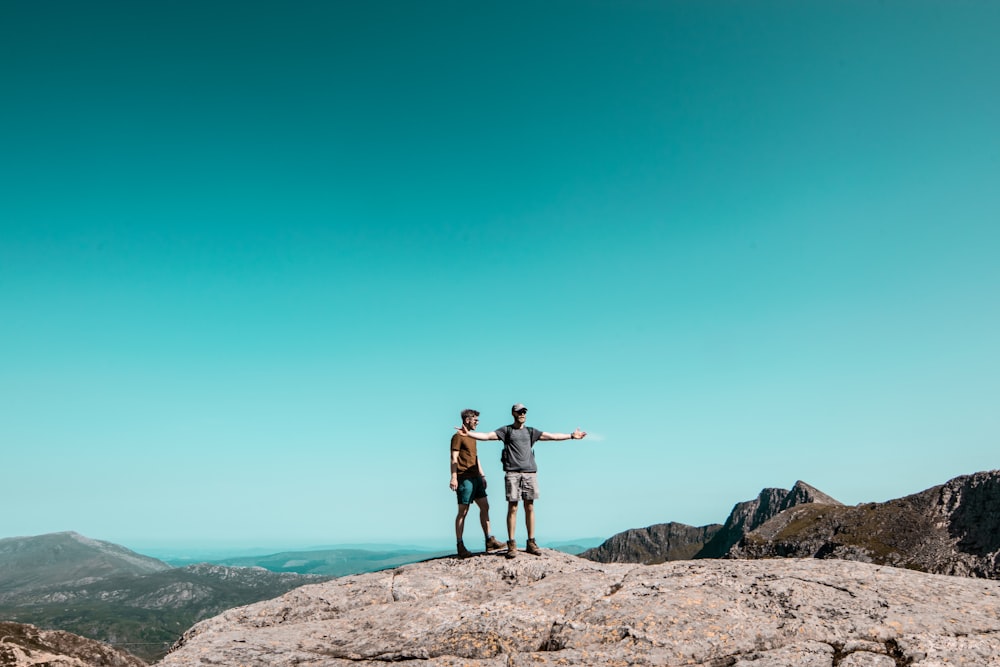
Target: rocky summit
x=558 y=609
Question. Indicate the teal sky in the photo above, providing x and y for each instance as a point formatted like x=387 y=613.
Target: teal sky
x=255 y=257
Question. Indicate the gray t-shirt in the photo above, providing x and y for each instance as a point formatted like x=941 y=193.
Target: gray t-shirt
x=517 y=455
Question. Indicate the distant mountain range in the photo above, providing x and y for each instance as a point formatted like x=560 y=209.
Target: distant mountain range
x=28 y=563
x=953 y=528
x=331 y=562
x=338 y=561
x=109 y=593
x=104 y=591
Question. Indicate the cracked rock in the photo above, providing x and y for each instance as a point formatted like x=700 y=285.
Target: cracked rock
x=563 y=610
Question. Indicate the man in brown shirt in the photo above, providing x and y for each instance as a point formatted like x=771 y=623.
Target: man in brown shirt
x=469 y=483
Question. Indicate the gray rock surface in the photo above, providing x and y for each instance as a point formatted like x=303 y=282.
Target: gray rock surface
x=558 y=609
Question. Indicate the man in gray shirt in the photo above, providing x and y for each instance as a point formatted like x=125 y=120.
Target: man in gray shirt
x=520 y=471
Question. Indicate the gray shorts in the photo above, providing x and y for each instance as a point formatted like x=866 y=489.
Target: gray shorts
x=521 y=486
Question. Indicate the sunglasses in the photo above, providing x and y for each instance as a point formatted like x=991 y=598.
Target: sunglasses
x=522 y=411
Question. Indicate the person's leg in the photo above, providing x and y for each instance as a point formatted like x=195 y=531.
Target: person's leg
x=511 y=529
x=484 y=520
x=463 y=493
x=529 y=521
x=530 y=491
x=460 y=521
x=511 y=520
x=512 y=487
x=484 y=515
x=512 y=482
x=529 y=518
x=490 y=541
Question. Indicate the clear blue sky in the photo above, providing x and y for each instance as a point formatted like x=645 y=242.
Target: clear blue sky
x=255 y=257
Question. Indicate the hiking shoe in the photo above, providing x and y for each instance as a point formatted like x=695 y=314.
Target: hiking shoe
x=462 y=551
x=511 y=549
x=532 y=548
x=492 y=544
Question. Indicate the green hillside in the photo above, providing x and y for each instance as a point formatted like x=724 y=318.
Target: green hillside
x=65 y=581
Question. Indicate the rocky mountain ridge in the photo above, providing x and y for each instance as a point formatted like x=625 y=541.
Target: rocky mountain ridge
x=953 y=528
x=654 y=544
x=58 y=558
x=748 y=515
x=678 y=541
x=558 y=609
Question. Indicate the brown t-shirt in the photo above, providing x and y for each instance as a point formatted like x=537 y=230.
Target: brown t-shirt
x=468 y=461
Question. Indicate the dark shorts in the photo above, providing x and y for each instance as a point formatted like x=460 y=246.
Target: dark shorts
x=469 y=490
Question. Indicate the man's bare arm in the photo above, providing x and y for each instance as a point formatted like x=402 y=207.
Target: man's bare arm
x=477 y=435
x=575 y=435
x=453 y=484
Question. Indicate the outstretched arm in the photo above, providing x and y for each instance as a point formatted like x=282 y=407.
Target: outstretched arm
x=476 y=435
x=575 y=435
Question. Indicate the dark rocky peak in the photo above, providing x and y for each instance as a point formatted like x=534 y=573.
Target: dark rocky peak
x=654 y=544
x=971 y=505
x=952 y=529
x=751 y=514
x=804 y=493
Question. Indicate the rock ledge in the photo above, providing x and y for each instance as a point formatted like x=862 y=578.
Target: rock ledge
x=562 y=610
